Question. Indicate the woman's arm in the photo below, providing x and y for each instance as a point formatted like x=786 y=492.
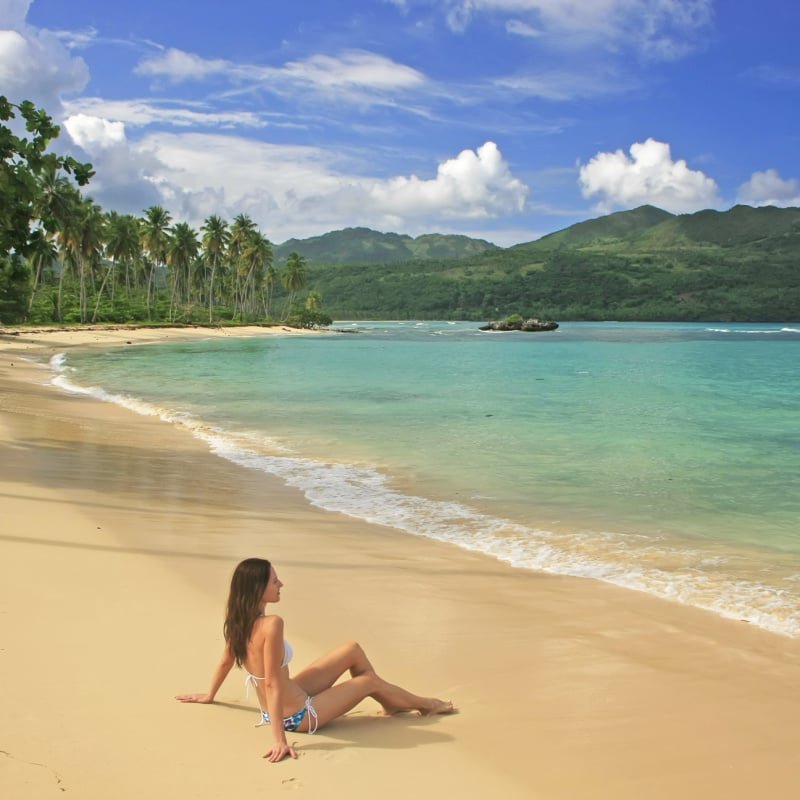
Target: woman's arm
x=273 y=687
x=220 y=673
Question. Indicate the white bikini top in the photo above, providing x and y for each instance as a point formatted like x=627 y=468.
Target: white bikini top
x=288 y=653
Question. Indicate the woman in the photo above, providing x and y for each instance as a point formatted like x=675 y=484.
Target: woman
x=254 y=640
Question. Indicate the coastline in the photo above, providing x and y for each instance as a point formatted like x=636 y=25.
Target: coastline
x=120 y=533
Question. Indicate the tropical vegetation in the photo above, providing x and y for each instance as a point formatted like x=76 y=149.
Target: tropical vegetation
x=644 y=264
x=64 y=259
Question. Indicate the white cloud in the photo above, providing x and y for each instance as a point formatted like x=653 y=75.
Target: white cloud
x=521 y=28
x=769 y=189
x=352 y=69
x=121 y=180
x=13 y=13
x=178 y=66
x=563 y=85
x=34 y=64
x=649 y=175
x=76 y=40
x=356 y=76
x=142 y=112
x=290 y=190
x=658 y=28
x=93 y=133
x=474 y=184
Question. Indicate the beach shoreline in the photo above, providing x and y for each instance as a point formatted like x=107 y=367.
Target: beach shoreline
x=124 y=530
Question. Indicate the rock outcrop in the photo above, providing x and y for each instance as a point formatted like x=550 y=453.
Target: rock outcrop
x=533 y=325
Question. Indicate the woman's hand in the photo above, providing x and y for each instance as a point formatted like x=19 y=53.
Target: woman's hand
x=199 y=697
x=278 y=752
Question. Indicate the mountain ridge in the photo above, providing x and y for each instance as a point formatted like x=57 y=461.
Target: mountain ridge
x=742 y=264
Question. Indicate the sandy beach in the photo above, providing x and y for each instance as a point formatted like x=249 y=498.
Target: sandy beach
x=118 y=534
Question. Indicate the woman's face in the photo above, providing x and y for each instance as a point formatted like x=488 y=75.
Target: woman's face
x=272 y=594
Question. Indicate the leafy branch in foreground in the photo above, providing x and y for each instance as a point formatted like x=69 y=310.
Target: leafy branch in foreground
x=25 y=165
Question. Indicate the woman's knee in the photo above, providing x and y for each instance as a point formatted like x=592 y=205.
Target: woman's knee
x=353 y=647
x=356 y=654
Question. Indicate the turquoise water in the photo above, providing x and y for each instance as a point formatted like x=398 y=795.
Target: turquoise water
x=660 y=457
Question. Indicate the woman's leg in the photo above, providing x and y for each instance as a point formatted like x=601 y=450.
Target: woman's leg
x=325 y=671
x=394 y=698
x=337 y=700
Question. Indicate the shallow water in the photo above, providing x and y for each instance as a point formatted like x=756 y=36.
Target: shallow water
x=661 y=457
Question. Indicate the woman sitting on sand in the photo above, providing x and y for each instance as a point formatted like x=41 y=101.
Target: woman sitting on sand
x=254 y=640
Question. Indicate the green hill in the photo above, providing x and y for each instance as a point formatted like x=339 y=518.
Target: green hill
x=645 y=264
x=363 y=245
x=737 y=227
x=621 y=225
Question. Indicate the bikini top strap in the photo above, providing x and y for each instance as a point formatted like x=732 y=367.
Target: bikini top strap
x=252 y=680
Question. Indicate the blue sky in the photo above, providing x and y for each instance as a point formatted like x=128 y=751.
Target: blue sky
x=502 y=119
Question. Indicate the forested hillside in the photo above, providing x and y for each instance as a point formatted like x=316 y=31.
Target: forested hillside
x=363 y=245
x=644 y=264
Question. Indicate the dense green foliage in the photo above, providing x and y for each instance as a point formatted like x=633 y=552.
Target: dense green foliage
x=645 y=264
x=365 y=246
x=28 y=210
x=63 y=259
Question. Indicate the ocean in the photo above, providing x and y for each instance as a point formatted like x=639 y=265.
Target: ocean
x=659 y=457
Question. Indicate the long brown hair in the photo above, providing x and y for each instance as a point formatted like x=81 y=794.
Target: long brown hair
x=248 y=583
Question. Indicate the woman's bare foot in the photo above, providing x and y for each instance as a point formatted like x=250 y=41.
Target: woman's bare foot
x=438 y=707
x=432 y=706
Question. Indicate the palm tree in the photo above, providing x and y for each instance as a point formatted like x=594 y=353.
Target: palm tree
x=270 y=278
x=242 y=229
x=58 y=207
x=154 y=240
x=182 y=251
x=55 y=199
x=64 y=235
x=256 y=256
x=293 y=278
x=123 y=242
x=85 y=244
x=313 y=301
x=42 y=251
x=215 y=242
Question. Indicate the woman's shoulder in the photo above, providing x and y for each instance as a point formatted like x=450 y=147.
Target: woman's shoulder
x=269 y=624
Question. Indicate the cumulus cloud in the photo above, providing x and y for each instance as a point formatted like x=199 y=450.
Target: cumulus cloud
x=34 y=63
x=13 y=12
x=93 y=133
x=288 y=190
x=122 y=174
x=476 y=183
x=769 y=189
x=647 y=176
x=662 y=29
